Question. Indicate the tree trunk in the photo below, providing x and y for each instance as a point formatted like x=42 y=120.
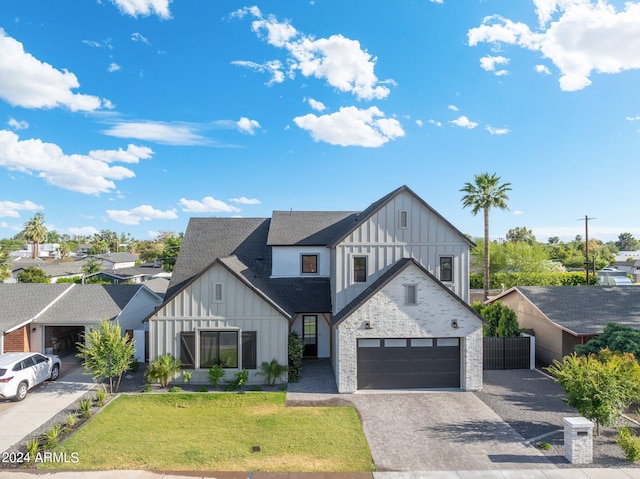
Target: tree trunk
x=486 y=254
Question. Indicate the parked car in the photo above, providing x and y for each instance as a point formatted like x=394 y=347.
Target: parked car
x=20 y=372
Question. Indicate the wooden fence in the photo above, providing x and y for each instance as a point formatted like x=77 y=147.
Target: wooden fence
x=507 y=353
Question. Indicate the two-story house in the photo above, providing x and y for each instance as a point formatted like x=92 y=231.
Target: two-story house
x=382 y=292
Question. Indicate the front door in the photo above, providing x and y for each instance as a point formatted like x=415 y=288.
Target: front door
x=310 y=336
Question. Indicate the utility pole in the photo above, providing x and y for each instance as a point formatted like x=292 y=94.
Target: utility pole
x=586 y=246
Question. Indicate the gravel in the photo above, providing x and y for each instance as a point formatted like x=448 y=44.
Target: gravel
x=531 y=402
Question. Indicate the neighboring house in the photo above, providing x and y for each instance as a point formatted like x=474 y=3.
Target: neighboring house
x=383 y=293
x=631 y=267
x=561 y=317
x=133 y=274
x=54 y=271
x=45 y=250
x=117 y=261
x=51 y=318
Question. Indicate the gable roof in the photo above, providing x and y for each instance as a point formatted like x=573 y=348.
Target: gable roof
x=118 y=257
x=584 y=310
x=21 y=302
x=308 y=228
x=374 y=207
x=385 y=279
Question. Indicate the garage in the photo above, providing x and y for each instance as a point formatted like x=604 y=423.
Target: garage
x=393 y=363
x=62 y=340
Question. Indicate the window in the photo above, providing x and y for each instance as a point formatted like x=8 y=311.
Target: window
x=309 y=263
x=403 y=219
x=188 y=350
x=219 y=347
x=446 y=268
x=412 y=294
x=216 y=292
x=249 y=350
x=395 y=343
x=360 y=269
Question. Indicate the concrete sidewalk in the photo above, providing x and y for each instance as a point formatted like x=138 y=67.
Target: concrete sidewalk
x=40 y=405
x=587 y=473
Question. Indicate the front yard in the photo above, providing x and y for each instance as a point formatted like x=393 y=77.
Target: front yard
x=224 y=432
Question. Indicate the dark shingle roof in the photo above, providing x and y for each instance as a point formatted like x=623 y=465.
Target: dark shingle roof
x=119 y=257
x=586 y=310
x=308 y=228
x=20 y=302
x=90 y=303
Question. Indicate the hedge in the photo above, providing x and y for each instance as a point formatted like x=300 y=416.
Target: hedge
x=508 y=280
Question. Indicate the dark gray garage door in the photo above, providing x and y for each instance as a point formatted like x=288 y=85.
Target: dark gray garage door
x=408 y=363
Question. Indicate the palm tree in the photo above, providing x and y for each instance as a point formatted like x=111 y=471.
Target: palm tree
x=485 y=193
x=35 y=232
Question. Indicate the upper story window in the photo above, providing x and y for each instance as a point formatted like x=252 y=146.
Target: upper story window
x=403 y=219
x=446 y=268
x=310 y=263
x=360 y=269
x=216 y=293
x=412 y=294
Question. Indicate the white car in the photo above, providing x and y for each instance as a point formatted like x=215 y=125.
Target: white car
x=19 y=372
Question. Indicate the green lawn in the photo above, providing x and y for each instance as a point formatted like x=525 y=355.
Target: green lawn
x=217 y=432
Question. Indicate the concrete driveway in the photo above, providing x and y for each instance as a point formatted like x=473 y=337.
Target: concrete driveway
x=441 y=431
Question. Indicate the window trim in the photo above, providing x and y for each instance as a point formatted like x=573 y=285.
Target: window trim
x=441 y=270
x=366 y=267
x=218 y=331
x=302 y=271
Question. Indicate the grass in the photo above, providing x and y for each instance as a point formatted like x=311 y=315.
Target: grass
x=217 y=432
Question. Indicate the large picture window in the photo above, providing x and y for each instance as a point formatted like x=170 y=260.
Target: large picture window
x=446 y=268
x=360 y=269
x=219 y=347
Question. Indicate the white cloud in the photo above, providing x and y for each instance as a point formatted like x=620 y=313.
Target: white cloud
x=12 y=209
x=633 y=118
x=17 y=125
x=340 y=61
x=497 y=131
x=274 y=67
x=114 y=67
x=578 y=36
x=160 y=132
x=104 y=43
x=489 y=63
x=90 y=174
x=144 y=7
x=83 y=231
x=543 y=69
x=245 y=201
x=434 y=122
x=517 y=213
x=419 y=123
x=207 y=205
x=141 y=213
x=27 y=82
x=437 y=1
x=464 y=122
x=352 y=126
x=245 y=125
x=138 y=37
x=316 y=105
x=453 y=108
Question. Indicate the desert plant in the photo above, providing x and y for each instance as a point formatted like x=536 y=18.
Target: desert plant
x=186 y=376
x=629 y=443
x=239 y=379
x=101 y=395
x=72 y=419
x=162 y=369
x=52 y=436
x=295 y=353
x=32 y=447
x=216 y=373
x=272 y=371
x=84 y=408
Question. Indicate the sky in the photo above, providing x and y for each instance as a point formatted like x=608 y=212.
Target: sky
x=135 y=115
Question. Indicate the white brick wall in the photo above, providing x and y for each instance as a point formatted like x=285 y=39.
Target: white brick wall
x=390 y=317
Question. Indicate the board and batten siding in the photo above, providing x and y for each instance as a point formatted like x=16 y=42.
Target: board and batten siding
x=380 y=238
x=195 y=308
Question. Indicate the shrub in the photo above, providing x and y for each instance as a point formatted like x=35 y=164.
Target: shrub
x=295 y=352
x=240 y=379
x=146 y=389
x=101 y=395
x=545 y=446
x=162 y=369
x=72 y=418
x=629 y=443
x=203 y=389
x=32 y=447
x=175 y=389
x=186 y=376
x=216 y=373
x=272 y=371
x=503 y=322
x=52 y=436
x=84 y=408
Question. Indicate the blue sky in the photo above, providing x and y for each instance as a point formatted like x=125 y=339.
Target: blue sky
x=135 y=115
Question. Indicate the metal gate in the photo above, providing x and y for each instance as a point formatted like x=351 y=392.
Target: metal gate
x=506 y=353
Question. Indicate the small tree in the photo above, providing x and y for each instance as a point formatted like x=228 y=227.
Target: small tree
x=616 y=337
x=106 y=353
x=599 y=387
x=33 y=275
x=296 y=350
x=162 y=369
x=503 y=322
x=272 y=371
